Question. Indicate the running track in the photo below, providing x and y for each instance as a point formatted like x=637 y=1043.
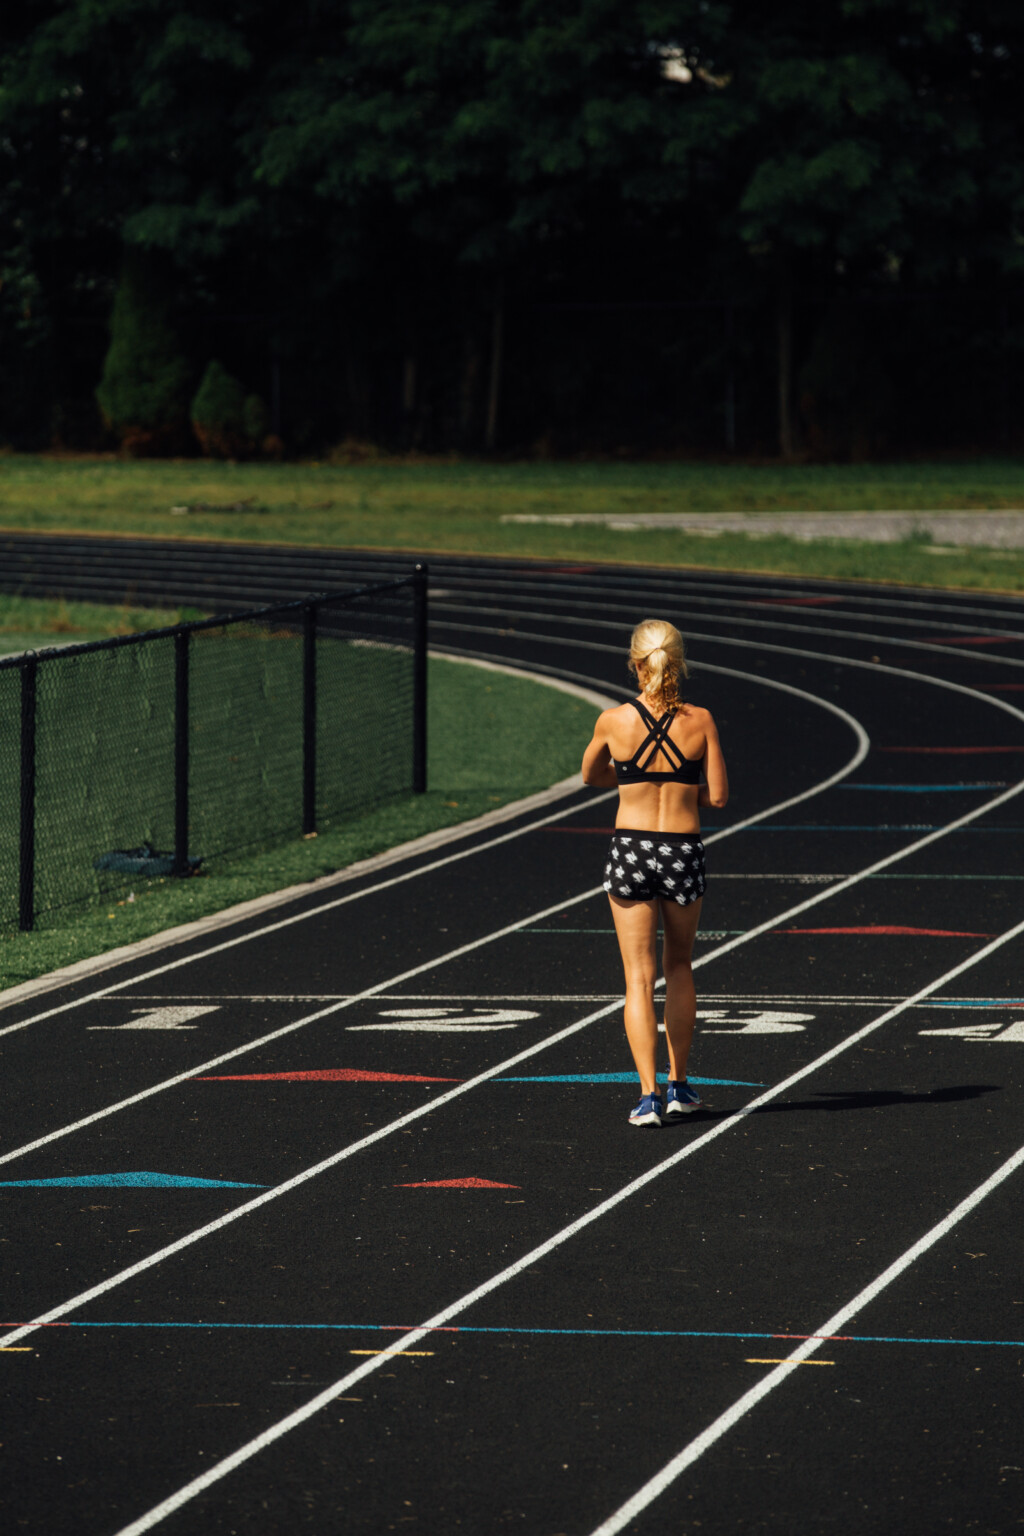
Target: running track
x=800 y=1310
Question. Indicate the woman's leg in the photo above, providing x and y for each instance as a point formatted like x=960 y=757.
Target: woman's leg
x=636 y=924
x=680 y=925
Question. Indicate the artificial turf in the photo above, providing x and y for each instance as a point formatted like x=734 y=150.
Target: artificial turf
x=492 y=739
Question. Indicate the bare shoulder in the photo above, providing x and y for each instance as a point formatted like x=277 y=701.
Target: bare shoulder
x=698 y=715
x=610 y=718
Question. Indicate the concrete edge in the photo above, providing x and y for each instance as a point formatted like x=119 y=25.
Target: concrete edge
x=82 y=969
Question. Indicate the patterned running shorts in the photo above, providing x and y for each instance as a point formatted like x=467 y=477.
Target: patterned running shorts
x=650 y=866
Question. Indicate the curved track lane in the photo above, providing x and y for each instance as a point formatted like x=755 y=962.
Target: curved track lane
x=435 y=1280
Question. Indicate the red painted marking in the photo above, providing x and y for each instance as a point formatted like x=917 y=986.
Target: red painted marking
x=410 y=1328
x=795 y=602
x=327 y=1075
x=458 y=1184
x=972 y=639
x=951 y=751
x=935 y=933
x=1000 y=687
x=831 y=1337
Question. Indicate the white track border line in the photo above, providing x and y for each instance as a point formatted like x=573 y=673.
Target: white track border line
x=286 y=922
x=823 y=894
x=663 y=587
x=451 y=1094
x=803 y=629
x=751 y=623
x=779 y=650
x=203 y=1068
x=467 y=827
x=410 y=1339
x=243 y=910
x=657 y=1485
x=695 y=595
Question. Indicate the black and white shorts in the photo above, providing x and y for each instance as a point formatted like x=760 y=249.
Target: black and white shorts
x=655 y=866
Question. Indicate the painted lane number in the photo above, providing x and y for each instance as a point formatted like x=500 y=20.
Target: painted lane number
x=443 y=1021
x=765 y=1021
x=992 y=1033
x=162 y=1018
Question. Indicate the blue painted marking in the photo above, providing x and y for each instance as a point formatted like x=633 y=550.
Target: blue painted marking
x=976 y=1002
x=133 y=1180
x=594 y=1333
x=923 y=789
x=627 y=1077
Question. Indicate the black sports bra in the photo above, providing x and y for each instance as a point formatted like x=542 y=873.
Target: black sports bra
x=687 y=769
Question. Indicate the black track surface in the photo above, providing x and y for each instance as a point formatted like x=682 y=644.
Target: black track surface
x=550 y=1401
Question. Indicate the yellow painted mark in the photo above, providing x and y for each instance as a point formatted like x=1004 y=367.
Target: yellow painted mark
x=396 y=1351
x=791 y=1362
x=17 y=1349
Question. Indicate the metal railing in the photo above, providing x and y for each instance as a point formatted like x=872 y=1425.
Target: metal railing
x=205 y=739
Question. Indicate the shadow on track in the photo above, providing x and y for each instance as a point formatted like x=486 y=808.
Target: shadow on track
x=831 y=1102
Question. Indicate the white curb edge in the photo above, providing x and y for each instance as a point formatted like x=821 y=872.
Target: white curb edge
x=244 y=909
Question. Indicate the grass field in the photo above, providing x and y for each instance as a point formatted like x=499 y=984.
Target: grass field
x=457 y=507
x=480 y=757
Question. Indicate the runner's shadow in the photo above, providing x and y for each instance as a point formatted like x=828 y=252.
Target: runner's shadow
x=832 y=1102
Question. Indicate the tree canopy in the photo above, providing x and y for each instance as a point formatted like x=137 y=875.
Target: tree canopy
x=458 y=222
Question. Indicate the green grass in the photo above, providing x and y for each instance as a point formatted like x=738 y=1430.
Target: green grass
x=34 y=623
x=457 y=507
x=492 y=739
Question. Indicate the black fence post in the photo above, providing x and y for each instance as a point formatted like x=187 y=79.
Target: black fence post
x=309 y=619
x=419 y=680
x=27 y=850
x=181 y=644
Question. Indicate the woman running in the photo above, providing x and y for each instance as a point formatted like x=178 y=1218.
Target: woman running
x=664 y=758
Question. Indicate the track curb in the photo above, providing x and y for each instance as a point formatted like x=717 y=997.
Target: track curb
x=82 y=969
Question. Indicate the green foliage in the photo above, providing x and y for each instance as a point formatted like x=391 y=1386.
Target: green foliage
x=228 y=423
x=218 y=412
x=144 y=388
x=396 y=167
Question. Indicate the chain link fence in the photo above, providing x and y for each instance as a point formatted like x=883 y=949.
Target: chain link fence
x=161 y=753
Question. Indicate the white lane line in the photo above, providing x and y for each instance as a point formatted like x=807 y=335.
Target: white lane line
x=415 y=1335
x=779 y=626
x=863 y=746
x=242 y=911
x=453 y=1093
x=297 y=917
x=842 y=613
x=767 y=926
x=543 y=821
x=766 y=645
x=464 y=853
x=287 y=1029
x=657 y=1485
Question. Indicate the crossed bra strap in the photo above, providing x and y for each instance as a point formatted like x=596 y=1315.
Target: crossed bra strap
x=657 y=739
x=685 y=770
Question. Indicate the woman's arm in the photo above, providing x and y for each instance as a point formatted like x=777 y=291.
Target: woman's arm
x=597 y=764
x=715 y=791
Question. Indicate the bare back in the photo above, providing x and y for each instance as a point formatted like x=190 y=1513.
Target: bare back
x=653 y=805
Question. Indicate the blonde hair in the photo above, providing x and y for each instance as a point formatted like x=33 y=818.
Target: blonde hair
x=657 y=647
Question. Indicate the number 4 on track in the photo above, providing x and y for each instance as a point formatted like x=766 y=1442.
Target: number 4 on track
x=991 y=1034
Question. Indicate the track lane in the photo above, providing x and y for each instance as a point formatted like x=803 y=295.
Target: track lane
x=421 y=1334
x=410 y=1364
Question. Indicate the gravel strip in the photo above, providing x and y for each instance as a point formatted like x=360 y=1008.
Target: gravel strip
x=989 y=530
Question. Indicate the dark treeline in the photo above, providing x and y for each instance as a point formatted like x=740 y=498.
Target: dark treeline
x=548 y=226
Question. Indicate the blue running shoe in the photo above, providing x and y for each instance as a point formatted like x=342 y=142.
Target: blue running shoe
x=648 y=1111
x=682 y=1099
